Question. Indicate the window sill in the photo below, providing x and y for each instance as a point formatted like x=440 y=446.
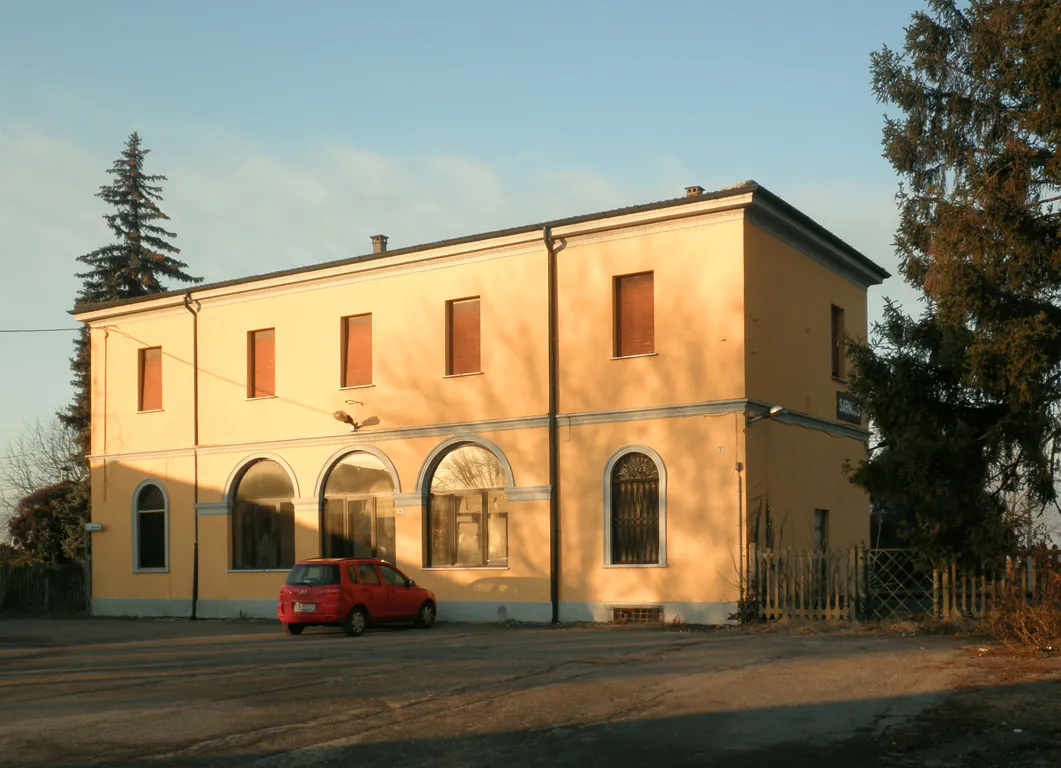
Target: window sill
x=258 y=570
x=263 y=397
x=635 y=565
x=150 y=570
x=462 y=375
x=356 y=386
x=839 y=380
x=153 y=410
x=631 y=357
x=465 y=568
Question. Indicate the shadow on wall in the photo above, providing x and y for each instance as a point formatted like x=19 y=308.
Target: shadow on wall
x=156 y=543
x=701 y=505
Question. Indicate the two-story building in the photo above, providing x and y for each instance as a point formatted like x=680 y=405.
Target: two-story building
x=555 y=421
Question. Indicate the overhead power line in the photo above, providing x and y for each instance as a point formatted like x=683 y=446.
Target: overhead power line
x=39 y=330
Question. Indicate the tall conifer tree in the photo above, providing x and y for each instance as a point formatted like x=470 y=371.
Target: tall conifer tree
x=966 y=399
x=136 y=264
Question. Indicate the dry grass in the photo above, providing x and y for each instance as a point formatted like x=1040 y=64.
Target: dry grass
x=1029 y=623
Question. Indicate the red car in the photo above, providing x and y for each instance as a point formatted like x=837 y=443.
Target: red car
x=351 y=593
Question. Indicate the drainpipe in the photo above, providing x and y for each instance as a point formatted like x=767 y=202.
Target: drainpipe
x=188 y=301
x=739 y=467
x=554 y=438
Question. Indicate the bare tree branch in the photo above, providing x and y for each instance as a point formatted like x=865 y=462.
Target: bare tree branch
x=43 y=454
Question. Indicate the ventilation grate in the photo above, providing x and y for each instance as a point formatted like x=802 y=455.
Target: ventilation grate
x=644 y=615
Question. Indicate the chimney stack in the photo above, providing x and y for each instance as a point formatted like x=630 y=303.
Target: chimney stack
x=694 y=191
x=379 y=243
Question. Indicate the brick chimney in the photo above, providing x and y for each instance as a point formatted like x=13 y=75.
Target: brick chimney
x=379 y=243
x=694 y=191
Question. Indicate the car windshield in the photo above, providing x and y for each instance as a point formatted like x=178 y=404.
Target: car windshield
x=314 y=575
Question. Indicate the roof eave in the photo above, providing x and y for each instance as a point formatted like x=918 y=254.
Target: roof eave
x=767 y=210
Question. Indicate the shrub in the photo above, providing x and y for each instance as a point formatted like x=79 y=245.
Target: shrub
x=1024 y=622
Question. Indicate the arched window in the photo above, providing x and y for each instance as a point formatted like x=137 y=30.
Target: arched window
x=150 y=542
x=468 y=510
x=358 y=512
x=634 y=514
x=263 y=518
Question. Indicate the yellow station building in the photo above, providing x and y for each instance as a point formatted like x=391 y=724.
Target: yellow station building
x=563 y=421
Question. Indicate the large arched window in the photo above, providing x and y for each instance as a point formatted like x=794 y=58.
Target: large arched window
x=150 y=528
x=358 y=511
x=263 y=518
x=468 y=510
x=634 y=511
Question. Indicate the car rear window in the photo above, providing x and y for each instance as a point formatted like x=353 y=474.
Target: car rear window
x=322 y=575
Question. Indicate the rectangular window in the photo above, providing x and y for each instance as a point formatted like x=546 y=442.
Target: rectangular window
x=261 y=363
x=357 y=351
x=462 y=337
x=821 y=529
x=635 y=315
x=838 y=342
x=150 y=395
x=263 y=535
x=468 y=529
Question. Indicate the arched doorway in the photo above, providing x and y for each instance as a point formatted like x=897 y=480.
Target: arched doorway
x=468 y=510
x=357 y=516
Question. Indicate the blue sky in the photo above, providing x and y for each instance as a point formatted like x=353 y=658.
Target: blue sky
x=292 y=132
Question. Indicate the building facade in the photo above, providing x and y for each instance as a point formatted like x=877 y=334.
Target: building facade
x=549 y=422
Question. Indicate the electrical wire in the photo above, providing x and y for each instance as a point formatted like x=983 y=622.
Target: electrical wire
x=39 y=330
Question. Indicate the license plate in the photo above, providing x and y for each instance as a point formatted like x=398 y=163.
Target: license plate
x=305 y=607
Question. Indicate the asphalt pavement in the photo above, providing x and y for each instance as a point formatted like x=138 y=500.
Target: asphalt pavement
x=82 y=692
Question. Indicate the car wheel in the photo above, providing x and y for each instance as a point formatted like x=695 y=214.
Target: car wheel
x=425 y=617
x=355 y=623
x=294 y=629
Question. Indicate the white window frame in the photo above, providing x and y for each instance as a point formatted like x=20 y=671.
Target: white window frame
x=136 y=525
x=609 y=467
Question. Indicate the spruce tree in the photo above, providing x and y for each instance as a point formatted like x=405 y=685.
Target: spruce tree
x=135 y=265
x=966 y=398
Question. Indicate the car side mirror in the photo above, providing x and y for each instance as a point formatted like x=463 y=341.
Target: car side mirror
x=410 y=583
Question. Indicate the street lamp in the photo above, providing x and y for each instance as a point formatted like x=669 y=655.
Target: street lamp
x=775 y=411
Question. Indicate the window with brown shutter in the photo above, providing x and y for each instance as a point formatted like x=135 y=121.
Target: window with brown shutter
x=838 y=342
x=635 y=317
x=150 y=398
x=357 y=351
x=462 y=337
x=261 y=363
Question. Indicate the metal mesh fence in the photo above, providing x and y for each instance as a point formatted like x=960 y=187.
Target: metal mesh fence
x=897 y=586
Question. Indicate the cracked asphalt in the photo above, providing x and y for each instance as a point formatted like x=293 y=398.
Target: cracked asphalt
x=128 y=693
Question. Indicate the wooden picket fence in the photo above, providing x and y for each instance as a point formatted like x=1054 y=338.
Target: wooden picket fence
x=807 y=584
x=43 y=588
x=976 y=594
x=885 y=584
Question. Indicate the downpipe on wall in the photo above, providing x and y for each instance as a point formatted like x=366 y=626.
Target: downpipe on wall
x=188 y=301
x=554 y=440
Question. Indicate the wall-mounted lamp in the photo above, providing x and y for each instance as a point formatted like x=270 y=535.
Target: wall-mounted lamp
x=346 y=418
x=775 y=411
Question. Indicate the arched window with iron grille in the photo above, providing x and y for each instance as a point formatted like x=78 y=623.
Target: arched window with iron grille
x=635 y=511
